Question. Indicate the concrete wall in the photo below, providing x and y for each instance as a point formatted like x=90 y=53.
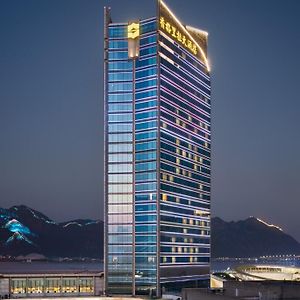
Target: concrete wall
x=4 y=287
x=202 y=294
x=99 y=286
x=265 y=290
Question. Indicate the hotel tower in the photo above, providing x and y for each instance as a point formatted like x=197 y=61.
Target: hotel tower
x=157 y=123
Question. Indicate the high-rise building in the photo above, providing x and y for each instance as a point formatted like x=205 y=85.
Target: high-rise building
x=157 y=155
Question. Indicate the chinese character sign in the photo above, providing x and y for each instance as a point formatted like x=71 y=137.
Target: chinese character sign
x=177 y=35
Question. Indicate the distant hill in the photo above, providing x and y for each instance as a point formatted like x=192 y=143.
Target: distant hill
x=24 y=231
x=250 y=238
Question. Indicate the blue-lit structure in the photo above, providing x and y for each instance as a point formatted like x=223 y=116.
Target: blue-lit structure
x=157 y=155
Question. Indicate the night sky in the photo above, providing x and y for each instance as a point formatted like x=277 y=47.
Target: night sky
x=51 y=98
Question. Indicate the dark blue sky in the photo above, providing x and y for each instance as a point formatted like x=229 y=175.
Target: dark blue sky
x=51 y=104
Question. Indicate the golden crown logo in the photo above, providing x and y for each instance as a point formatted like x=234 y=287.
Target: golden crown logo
x=133 y=30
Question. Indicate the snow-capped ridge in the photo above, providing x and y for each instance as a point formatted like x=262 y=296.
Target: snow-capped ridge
x=18 y=236
x=14 y=225
x=72 y=223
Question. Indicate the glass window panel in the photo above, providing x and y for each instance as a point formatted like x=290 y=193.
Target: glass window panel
x=114 y=218
x=120 y=228
x=147 y=27
x=145 y=115
x=145 y=249
x=145 y=135
x=145 y=155
x=120 y=137
x=124 y=208
x=117 y=31
x=146 y=104
x=120 y=147
x=148 y=50
x=120 y=76
x=121 y=198
x=145 y=187
x=120 y=107
x=120 y=188
x=143 y=62
x=145 y=207
x=120 y=178
x=120 y=249
x=145 y=84
x=146 y=166
x=120 y=44
x=120 y=238
x=120 y=87
x=145 y=228
x=146 y=94
x=145 y=218
x=122 y=65
x=146 y=73
x=145 y=176
x=120 y=157
x=146 y=125
x=145 y=197
x=148 y=40
x=120 y=168
x=120 y=97
x=117 y=55
x=145 y=146
x=120 y=117
x=123 y=127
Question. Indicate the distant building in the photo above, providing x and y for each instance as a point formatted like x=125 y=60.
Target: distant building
x=255 y=273
x=267 y=272
x=157 y=155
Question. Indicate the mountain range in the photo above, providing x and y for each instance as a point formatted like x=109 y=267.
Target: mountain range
x=24 y=230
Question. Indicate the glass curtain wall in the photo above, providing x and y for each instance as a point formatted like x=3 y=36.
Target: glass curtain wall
x=119 y=162
x=185 y=164
x=146 y=121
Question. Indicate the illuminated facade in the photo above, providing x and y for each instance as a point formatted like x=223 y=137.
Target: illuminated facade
x=30 y=285
x=157 y=155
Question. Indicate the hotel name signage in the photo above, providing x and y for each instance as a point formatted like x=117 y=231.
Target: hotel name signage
x=170 y=28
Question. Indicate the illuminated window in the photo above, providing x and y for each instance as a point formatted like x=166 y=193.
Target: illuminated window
x=86 y=285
